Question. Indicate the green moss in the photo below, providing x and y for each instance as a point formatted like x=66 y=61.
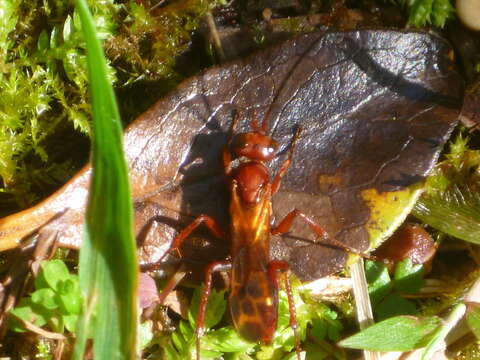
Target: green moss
x=460 y=168
x=44 y=90
x=427 y=12
x=149 y=41
x=43 y=80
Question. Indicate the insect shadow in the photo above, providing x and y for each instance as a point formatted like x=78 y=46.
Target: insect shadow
x=201 y=189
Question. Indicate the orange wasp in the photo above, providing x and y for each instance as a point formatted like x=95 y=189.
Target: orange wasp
x=253 y=298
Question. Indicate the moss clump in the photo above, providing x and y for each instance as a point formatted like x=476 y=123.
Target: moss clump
x=43 y=80
x=459 y=169
x=44 y=93
x=150 y=38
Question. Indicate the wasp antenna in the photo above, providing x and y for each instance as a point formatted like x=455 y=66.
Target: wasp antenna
x=264 y=124
x=296 y=136
x=253 y=121
x=235 y=120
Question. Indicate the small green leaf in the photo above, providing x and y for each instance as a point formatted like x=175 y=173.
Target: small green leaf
x=170 y=353
x=77 y=23
x=401 y=333
x=68 y=285
x=186 y=330
x=319 y=329
x=334 y=330
x=70 y=322
x=408 y=277
x=46 y=298
x=379 y=282
x=43 y=41
x=51 y=273
x=394 y=305
x=72 y=61
x=216 y=306
x=179 y=342
x=70 y=297
x=284 y=339
x=226 y=339
x=184 y=339
x=68 y=28
x=24 y=310
x=473 y=318
x=71 y=303
x=55 y=37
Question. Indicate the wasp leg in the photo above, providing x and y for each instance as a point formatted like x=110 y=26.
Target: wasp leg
x=174 y=280
x=325 y=238
x=273 y=267
x=209 y=222
x=212 y=268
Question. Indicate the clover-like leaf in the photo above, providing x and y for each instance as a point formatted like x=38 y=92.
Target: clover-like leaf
x=51 y=274
x=70 y=296
x=25 y=311
x=46 y=297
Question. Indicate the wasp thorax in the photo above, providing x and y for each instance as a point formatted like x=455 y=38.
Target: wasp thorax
x=251 y=178
x=254 y=146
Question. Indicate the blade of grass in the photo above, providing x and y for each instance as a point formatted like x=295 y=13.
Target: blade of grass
x=108 y=264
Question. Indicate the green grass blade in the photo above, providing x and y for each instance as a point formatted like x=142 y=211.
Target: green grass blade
x=108 y=262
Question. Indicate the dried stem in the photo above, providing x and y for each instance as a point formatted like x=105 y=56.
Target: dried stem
x=362 y=302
